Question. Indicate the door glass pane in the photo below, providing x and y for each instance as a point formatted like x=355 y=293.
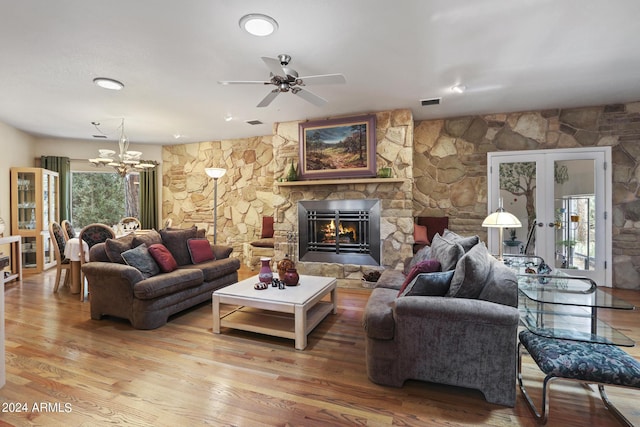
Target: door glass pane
x=518 y=193
x=574 y=203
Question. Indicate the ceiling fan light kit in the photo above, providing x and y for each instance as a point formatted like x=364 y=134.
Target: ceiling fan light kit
x=286 y=79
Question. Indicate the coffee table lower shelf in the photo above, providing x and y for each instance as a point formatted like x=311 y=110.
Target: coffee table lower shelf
x=275 y=323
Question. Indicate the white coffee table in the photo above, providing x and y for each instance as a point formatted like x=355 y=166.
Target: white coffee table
x=291 y=313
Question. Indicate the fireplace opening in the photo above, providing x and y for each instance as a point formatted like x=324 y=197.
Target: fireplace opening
x=340 y=231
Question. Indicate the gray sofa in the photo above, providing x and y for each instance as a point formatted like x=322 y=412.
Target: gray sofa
x=120 y=290
x=457 y=327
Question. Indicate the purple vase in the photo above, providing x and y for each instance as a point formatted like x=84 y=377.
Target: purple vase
x=291 y=277
x=265 y=275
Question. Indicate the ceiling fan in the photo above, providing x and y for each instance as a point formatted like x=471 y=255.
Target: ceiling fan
x=286 y=79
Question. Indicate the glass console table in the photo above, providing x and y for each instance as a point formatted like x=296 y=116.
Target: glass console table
x=566 y=307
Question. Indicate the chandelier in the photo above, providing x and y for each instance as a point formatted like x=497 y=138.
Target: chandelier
x=123 y=162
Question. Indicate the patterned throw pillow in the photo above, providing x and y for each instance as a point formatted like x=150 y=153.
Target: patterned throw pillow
x=141 y=259
x=429 y=284
x=163 y=257
x=200 y=250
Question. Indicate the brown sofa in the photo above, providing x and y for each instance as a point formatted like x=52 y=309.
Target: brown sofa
x=120 y=290
x=455 y=327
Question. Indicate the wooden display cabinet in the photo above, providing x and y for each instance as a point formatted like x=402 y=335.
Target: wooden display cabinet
x=34 y=205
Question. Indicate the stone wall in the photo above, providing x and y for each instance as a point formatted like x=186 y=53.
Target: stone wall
x=443 y=161
x=245 y=192
x=394 y=132
x=450 y=167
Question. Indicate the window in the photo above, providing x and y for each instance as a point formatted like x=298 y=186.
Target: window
x=103 y=197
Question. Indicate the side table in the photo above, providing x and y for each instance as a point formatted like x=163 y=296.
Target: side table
x=15 y=243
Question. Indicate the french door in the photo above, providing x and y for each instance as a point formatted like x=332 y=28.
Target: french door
x=562 y=197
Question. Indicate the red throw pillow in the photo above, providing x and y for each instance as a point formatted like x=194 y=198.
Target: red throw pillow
x=200 y=250
x=420 y=234
x=163 y=257
x=426 y=266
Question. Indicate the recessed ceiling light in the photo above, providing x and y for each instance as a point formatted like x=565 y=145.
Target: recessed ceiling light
x=108 y=83
x=228 y=118
x=258 y=25
x=458 y=88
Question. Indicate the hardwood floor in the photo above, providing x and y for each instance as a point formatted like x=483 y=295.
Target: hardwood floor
x=65 y=369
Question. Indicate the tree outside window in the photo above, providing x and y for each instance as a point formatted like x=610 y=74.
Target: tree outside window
x=103 y=197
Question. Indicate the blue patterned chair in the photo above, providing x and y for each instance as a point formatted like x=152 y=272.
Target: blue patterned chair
x=58 y=242
x=68 y=230
x=584 y=362
x=92 y=234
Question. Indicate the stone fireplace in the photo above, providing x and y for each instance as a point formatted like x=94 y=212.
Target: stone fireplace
x=393 y=234
x=339 y=231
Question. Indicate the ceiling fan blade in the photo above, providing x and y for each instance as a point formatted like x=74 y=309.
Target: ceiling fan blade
x=242 y=82
x=274 y=66
x=324 y=79
x=310 y=97
x=267 y=99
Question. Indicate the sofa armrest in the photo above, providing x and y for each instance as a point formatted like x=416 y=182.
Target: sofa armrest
x=461 y=310
x=221 y=251
x=99 y=272
x=391 y=279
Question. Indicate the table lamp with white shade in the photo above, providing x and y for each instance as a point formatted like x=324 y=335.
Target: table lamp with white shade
x=501 y=219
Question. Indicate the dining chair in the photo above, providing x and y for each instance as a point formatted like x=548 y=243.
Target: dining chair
x=67 y=229
x=62 y=263
x=92 y=234
x=131 y=222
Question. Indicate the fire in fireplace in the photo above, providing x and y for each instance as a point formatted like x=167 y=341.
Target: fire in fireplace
x=340 y=231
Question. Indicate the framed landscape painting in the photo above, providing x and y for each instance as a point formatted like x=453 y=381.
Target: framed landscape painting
x=338 y=148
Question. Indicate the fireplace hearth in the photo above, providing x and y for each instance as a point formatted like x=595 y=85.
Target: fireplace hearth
x=339 y=231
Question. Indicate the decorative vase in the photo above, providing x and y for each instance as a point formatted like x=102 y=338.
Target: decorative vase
x=265 y=275
x=292 y=175
x=291 y=277
x=283 y=265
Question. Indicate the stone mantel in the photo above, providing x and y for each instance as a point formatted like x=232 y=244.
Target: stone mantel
x=341 y=181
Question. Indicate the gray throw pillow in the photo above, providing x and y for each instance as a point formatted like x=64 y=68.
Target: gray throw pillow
x=429 y=284
x=466 y=242
x=422 y=255
x=149 y=238
x=176 y=241
x=471 y=273
x=141 y=259
x=447 y=251
x=115 y=247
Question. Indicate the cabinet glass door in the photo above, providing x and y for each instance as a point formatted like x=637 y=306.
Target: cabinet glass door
x=26 y=201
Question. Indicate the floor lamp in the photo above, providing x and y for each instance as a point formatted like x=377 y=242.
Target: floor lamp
x=501 y=220
x=215 y=173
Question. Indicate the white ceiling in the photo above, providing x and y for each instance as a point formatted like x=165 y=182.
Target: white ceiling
x=511 y=56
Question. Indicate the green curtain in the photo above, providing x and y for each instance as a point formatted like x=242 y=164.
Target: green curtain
x=148 y=199
x=62 y=165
